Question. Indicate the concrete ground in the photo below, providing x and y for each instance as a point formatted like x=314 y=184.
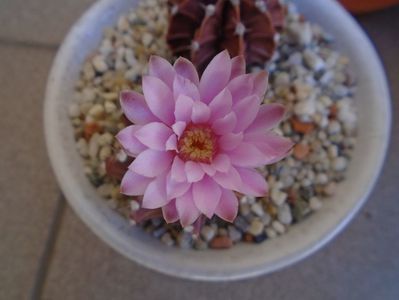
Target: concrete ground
x=47 y=253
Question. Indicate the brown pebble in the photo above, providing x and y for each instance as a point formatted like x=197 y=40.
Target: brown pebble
x=333 y=111
x=248 y=238
x=90 y=129
x=221 y=242
x=292 y=196
x=301 y=127
x=301 y=151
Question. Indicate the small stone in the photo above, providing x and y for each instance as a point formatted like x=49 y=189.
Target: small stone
x=257 y=209
x=94 y=147
x=300 y=33
x=208 y=233
x=200 y=244
x=82 y=147
x=266 y=218
x=334 y=127
x=256 y=227
x=282 y=79
x=301 y=127
x=99 y=63
x=278 y=227
x=305 y=109
x=221 y=242
x=301 y=150
x=104 y=153
x=241 y=223
x=167 y=239
x=321 y=178
x=245 y=209
x=88 y=95
x=123 y=24
x=339 y=164
x=284 y=214
x=260 y=238
x=105 y=190
x=184 y=240
x=300 y=210
x=157 y=233
x=109 y=107
x=271 y=233
x=313 y=61
x=96 y=110
x=234 y=234
x=147 y=39
x=134 y=205
x=277 y=196
x=105 y=139
x=121 y=156
x=315 y=203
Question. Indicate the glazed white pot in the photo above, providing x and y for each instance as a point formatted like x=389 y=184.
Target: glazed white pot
x=244 y=260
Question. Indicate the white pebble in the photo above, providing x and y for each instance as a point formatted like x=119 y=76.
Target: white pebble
x=305 y=108
x=96 y=110
x=257 y=209
x=271 y=233
x=278 y=227
x=121 y=156
x=134 y=205
x=313 y=61
x=105 y=139
x=99 y=63
x=88 y=95
x=109 y=107
x=315 y=203
x=284 y=214
x=256 y=227
x=147 y=39
x=321 y=178
x=340 y=163
x=334 y=127
x=208 y=233
x=277 y=196
x=105 y=152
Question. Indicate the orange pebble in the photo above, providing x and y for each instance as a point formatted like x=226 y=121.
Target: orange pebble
x=301 y=151
x=301 y=127
x=90 y=129
x=248 y=238
x=333 y=111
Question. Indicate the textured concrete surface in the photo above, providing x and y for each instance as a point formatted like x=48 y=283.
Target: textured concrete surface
x=361 y=263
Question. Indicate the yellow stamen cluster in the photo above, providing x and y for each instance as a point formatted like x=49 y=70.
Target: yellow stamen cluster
x=197 y=143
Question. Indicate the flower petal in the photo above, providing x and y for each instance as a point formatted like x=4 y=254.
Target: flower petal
x=177 y=172
x=174 y=188
x=154 y=135
x=206 y=195
x=135 y=108
x=237 y=66
x=200 y=113
x=159 y=98
x=225 y=125
x=208 y=169
x=186 y=208
x=227 y=208
x=134 y=184
x=129 y=142
x=162 y=69
x=269 y=115
x=179 y=127
x=253 y=183
x=260 y=84
x=171 y=143
x=169 y=212
x=215 y=77
x=194 y=172
x=183 y=108
x=185 y=68
x=183 y=86
x=230 y=141
x=247 y=109
x=246 y=155
x=221 y=104
x=241 y=87
x=151 y=163
x=155 y=194
x=221 y=163
x=230 y=180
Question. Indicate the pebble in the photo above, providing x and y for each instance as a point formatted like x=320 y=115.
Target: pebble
x=105 y=190
x=301 y=150
x=199 y=244
x=234 y=234
x=167 y=239
x=82 y=147
x=94 y=147
x=313 y=61
x=315 y=203
x=88 y=95
x=245 y=209
x=300 y=33
x=109 y=107
x=271 y=233
x=221 y=242
x=277 y=196
x=105 y=152
x=184 y=240
x=256 y=227
x=278 y=227
x=96 y=111
x=340 y=163
x=134 y=205
x=284 y=214
x=208 y=233
x=99 y=63
x=321 y=178
x=257 y=209
x=330 y=188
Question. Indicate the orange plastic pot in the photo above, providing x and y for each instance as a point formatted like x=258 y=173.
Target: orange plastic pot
x=364 y=6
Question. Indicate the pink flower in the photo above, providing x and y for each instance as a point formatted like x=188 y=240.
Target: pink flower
x=196 y=141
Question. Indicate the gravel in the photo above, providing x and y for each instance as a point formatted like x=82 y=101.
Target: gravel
x=311 y=79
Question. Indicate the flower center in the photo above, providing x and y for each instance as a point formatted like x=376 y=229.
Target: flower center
x=197 y=143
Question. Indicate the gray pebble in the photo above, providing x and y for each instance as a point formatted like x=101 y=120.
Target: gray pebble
x=208 y=233
x=284 y=214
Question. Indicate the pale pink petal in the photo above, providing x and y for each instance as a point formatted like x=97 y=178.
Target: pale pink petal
x=162 y=69
x=179 y=127
x=227 y=208
x=134 y=184
x=194 y=172
x=159 y=98
x=206 y=195
x=237 y=66
x=272 y=146
x=155 y=194
x=129 y=142
x=169 y=212
x=253 y=183
x=151 y=163
x=230 y=141
x=183 y=86
x=184 y=108
x=221 y=104
x=208 y=169
x=215 y=77
x=200 y=113
x=171 y=143
x=185 y=68
x=174 y=188
x=268 y=117
x=186 y=208
x=221 y=163
x=177 y=171
x=135 y=108
x=225 y=125
x=241 y=87
x=247 y=109
x=246 y=155
x=260 y=84
x=154 y=135
x=230 y=180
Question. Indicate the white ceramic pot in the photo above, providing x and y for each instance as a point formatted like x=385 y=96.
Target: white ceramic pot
x=244 y=260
